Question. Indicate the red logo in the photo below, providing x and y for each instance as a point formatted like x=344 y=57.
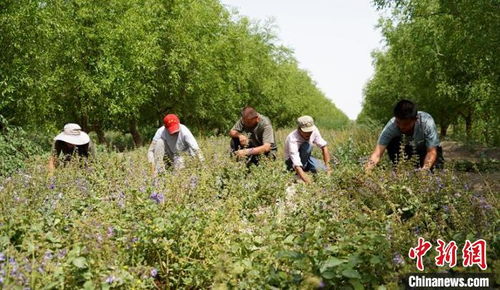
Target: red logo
x=447 y=253
x=472 y=253
x=475 y=254
x=419 y=251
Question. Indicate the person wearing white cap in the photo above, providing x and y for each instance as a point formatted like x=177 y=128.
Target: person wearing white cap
x=298 y=149
x=71 y=141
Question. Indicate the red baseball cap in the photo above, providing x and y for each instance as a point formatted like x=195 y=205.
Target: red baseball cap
x=172 y=123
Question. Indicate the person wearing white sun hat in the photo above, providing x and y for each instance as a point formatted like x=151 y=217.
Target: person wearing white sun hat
x=71 y=141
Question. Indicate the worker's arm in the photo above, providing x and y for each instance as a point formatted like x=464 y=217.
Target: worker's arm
x=56 y=150
x=151 y=156
x=266 y=147
x=301 y=173
x=51 y=165
x=242 y=137
x=430 y=158
x=375 y=157
x=326 y=158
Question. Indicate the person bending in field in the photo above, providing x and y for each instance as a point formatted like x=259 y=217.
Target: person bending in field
x=298 y=149
x=412 y=131
x=71 y=142
x=167 y=144
x=252 y=136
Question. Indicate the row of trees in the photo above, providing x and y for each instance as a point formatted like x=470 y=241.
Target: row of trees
x=122 y=64
x=444 y=55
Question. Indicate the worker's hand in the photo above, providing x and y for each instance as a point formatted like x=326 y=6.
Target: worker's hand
x=370 y=164
x=51 y=167
x=302 y=175
x=306 y=178
x=154 y=173
x=242 y=152
x=243 y=140
x=423 y=171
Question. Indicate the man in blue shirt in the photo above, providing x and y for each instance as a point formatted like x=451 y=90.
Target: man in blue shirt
x=413 y=129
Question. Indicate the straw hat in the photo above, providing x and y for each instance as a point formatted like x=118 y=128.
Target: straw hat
x=73 y=134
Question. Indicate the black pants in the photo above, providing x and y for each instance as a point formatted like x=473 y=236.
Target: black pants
x=251 y=159
x=394 y=151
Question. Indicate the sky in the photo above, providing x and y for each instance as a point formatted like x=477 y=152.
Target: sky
x=331 y=39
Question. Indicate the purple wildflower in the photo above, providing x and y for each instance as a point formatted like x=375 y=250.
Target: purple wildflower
x=398 y=259
x=446 y=208
x=110 y=232
x=439 y=183
x=48 y=256
x=62 y=253
x=1 y=280
x=82 y=184
x=12 y=261
x=482 y=202
x=110 y=279
x=2 y=257
x=321 y=285
x=157 y=197
x=193 y=181
x=154 y=272
x=52 y=186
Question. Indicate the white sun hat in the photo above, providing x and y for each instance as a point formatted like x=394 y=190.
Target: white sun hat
x=73 y=134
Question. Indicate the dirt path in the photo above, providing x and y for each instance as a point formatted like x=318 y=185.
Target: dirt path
x=480 y=165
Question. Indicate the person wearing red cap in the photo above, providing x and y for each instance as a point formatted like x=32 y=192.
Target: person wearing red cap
x=169 y=141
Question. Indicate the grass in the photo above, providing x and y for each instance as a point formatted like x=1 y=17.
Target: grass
x=217 y=225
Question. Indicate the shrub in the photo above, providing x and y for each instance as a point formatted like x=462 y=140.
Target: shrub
x=16 y=146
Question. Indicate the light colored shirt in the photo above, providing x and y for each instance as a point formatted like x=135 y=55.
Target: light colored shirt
x=424 y=132
x=293 y=142
x=184 y=141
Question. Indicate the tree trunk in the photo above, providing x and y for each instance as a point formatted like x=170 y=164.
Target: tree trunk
x=444 y=129
x=468 y=126
x=84 y=124
x=100 y=137
x=135 y=133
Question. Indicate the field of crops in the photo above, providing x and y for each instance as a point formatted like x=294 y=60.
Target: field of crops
x=218 y=225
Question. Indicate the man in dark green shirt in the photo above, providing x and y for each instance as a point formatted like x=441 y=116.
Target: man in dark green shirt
x=252 y=136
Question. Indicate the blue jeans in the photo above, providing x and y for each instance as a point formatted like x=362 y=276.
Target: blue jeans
x=309 y=163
